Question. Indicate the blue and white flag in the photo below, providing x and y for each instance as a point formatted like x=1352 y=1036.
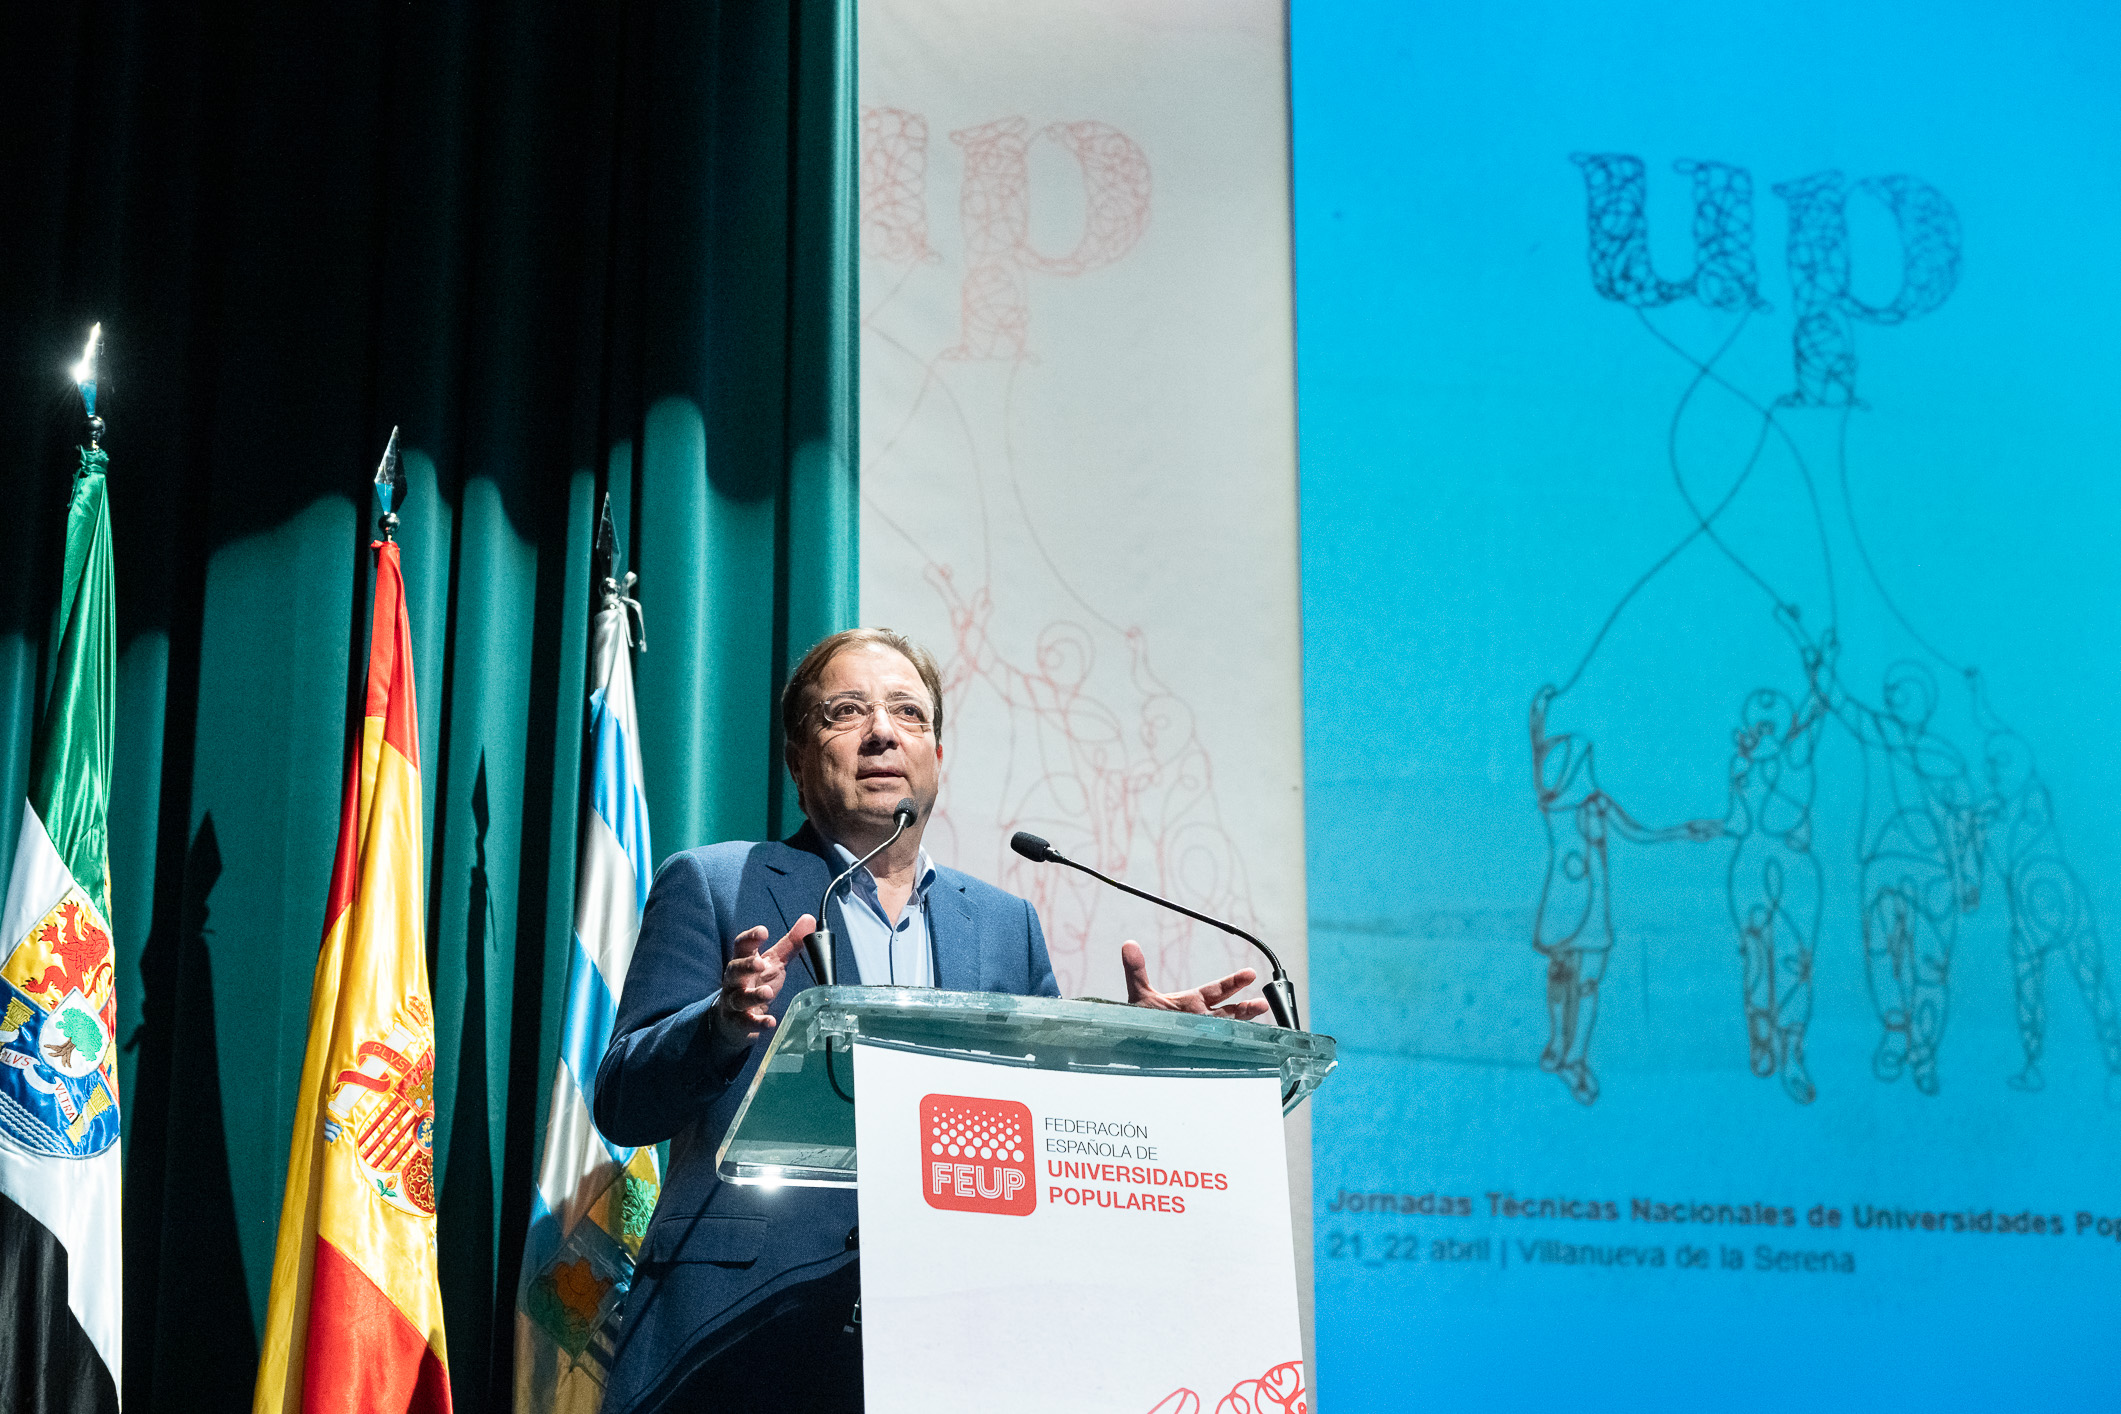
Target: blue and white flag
x=594 y=1198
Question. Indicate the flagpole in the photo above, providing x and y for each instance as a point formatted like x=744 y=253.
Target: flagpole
x=390 y=487
x=616 y=591
x=85 y=379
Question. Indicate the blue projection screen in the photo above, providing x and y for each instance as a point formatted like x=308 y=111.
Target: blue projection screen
x=1709 y=509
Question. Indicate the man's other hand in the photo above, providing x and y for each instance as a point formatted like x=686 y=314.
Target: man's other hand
x=1206 y=1000
x=753 y=979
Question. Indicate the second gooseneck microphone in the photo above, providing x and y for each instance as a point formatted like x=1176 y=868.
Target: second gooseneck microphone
x=1280 y=992
x=818 y=946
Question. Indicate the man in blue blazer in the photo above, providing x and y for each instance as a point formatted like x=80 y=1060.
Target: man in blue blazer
x=745 y=1297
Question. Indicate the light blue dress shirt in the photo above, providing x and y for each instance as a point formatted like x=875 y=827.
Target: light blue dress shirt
x=887 y=950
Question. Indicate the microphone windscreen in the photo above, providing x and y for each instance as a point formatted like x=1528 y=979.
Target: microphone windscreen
x=905 y=811
x=1030 y=846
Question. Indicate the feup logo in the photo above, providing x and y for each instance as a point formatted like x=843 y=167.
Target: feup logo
x=976 y=1155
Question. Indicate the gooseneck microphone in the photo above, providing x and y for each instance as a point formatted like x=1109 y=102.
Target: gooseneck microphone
x=1279 y=991
x=818 y=946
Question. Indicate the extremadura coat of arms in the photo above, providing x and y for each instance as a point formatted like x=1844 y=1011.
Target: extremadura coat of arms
x=58 y=1013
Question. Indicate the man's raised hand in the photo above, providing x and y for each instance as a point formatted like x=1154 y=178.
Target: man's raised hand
x=1204 y=1000
x=753 y=979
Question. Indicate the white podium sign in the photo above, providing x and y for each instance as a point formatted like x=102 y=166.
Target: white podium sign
x=1044 y=1240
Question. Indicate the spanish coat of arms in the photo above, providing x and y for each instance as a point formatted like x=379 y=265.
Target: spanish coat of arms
x=385 y=1106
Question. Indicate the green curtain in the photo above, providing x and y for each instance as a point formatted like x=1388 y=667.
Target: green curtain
x=572 y=251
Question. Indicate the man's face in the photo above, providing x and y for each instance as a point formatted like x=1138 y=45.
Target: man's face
x=852 y=774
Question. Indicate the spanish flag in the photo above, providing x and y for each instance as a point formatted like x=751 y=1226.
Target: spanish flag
x=355 y=1321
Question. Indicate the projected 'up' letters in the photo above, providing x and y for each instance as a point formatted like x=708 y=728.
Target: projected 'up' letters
x=1819 y=273
x=994 y=212
x=1725 y=275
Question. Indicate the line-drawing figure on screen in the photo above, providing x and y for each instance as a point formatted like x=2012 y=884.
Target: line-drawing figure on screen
x=1920 y=862
x=1774 y=883
x=1573 y=929
x=2050 y=909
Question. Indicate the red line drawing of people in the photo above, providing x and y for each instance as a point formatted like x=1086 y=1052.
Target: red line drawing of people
x=1133 y=787
x=1279 y=1391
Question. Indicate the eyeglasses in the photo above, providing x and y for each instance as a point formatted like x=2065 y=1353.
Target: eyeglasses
x=844 y=714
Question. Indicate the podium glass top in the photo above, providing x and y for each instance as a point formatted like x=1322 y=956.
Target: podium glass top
x=796 y=1125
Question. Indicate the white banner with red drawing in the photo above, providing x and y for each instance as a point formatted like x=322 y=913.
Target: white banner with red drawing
x=1079 y=459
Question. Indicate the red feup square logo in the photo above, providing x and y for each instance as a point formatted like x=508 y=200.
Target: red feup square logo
x=976 y=1155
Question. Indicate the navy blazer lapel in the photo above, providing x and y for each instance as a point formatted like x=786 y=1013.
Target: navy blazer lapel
x=794 y=889
x=955 y=935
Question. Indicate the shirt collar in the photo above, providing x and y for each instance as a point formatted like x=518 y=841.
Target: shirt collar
x=923 y=869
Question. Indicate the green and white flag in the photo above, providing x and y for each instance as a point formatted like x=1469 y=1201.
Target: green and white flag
x=59 y=1154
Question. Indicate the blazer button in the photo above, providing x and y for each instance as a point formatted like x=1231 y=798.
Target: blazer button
x=854 y=1238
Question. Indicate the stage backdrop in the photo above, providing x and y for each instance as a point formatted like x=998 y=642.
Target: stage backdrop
x=508 y=231
x=1078 y=456
x=1709 y=520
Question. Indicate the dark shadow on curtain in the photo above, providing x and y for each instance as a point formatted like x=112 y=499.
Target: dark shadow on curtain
x=554 y=766
x=40 y=480
x=212 y=1360
x=185 y=865
x=464 y=1222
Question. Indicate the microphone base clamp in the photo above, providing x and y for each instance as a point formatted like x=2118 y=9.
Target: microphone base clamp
x=818 y=949
x=1281 y=1000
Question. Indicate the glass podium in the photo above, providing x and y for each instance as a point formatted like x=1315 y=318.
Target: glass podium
x=796 y=1125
